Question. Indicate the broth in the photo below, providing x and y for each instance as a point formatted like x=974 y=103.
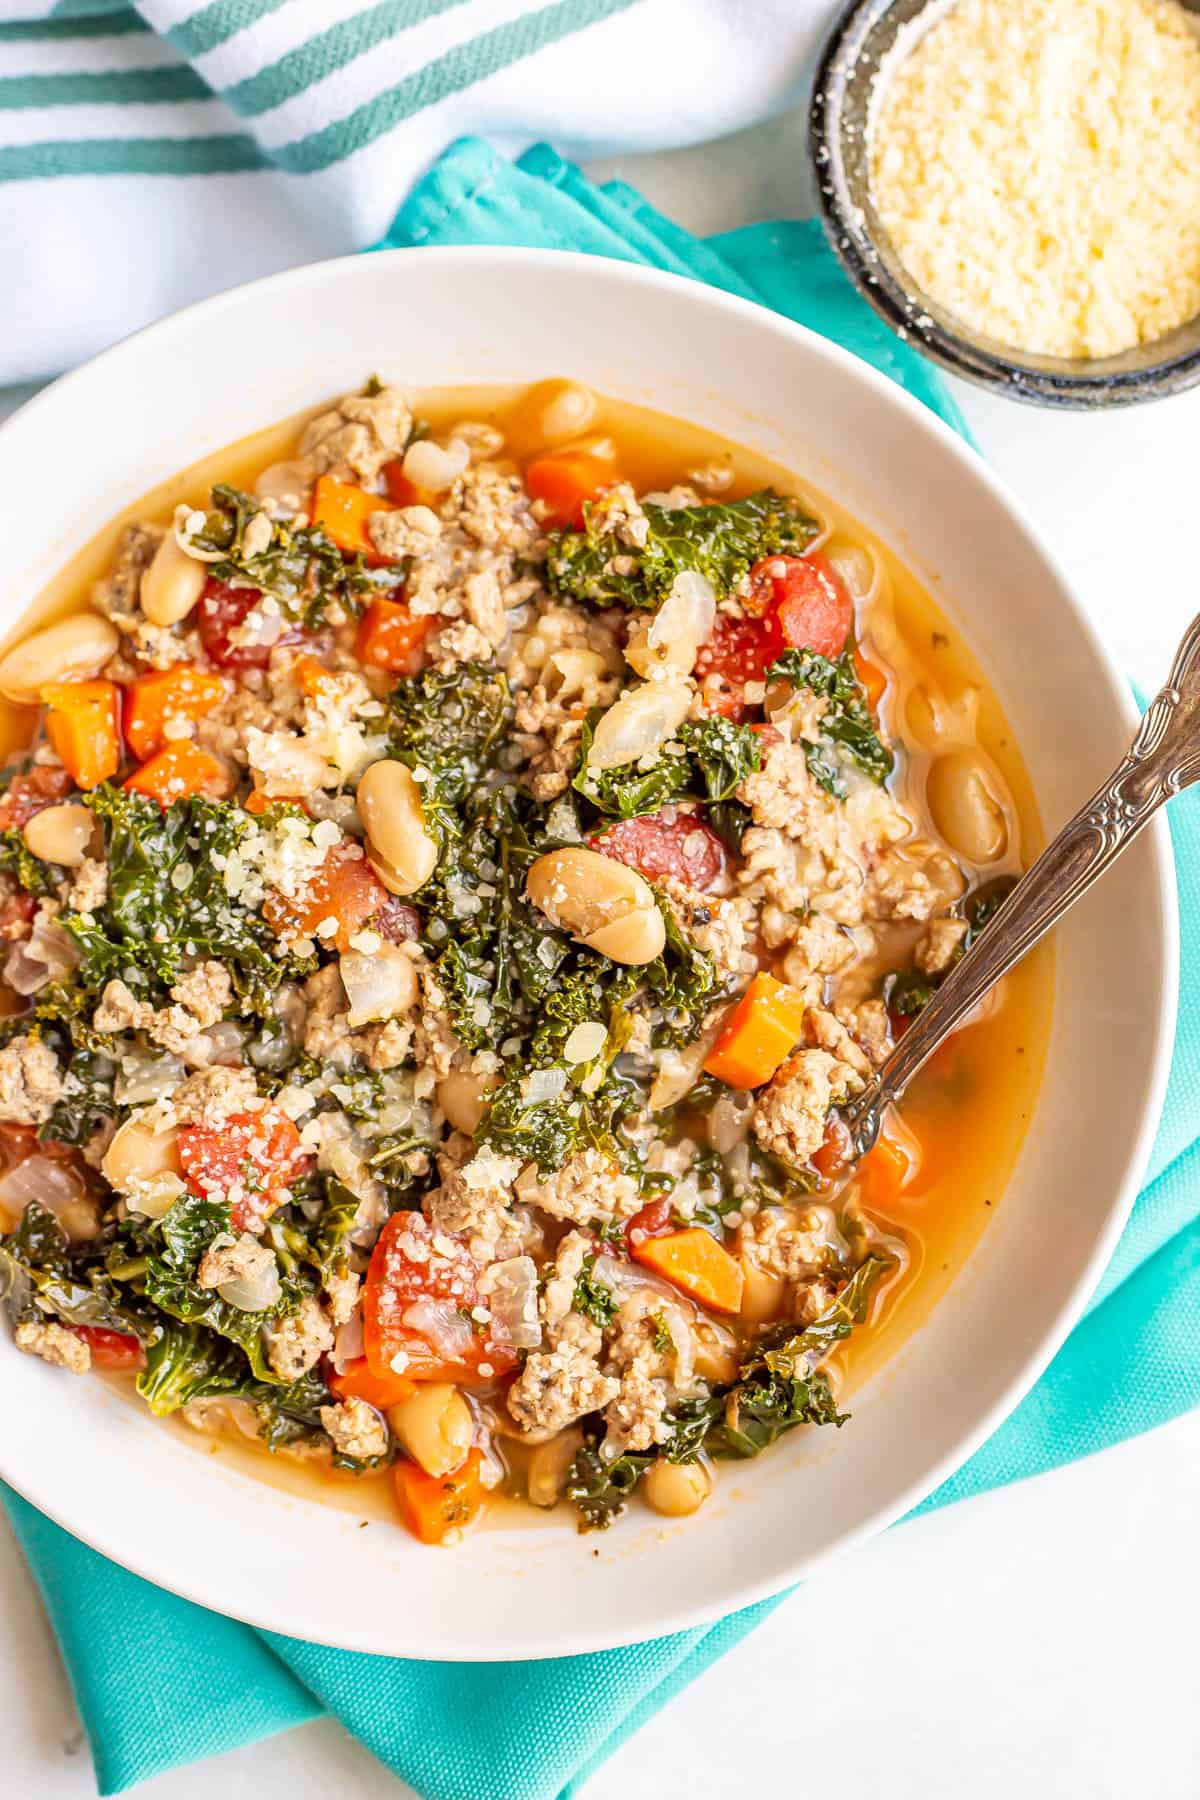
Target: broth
x=970 y=1108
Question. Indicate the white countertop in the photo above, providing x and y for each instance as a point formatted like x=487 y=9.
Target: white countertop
x=1037 y=1640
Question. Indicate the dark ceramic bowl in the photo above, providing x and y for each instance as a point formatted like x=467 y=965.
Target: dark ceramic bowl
x=860 y=43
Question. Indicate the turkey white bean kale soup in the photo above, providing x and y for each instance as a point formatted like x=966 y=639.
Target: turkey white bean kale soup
x=458 y=852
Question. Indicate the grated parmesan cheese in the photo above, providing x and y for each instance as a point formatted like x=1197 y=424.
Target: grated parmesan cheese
x=1036 y=164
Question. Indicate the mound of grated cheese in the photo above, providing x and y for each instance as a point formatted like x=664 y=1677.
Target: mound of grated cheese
x=1036 y=164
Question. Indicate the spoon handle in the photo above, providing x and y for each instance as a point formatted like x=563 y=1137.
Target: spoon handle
x=1163 y=759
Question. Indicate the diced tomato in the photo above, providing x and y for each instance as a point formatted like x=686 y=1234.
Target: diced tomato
x=807 y=597
x=251 y=1160
x=16 y=915
x=110 y=1349
x=154 y=701
x=16 y=1143
x=739 y=650
x=345 y=889
x=221 y=611
x=390 y=636
x=32 y=792
x=653 y=1220
x=565 y=481
x=436 y=1508
x=401 y=490
x=670 y=844
x=834 y=1153
x=421 y=1287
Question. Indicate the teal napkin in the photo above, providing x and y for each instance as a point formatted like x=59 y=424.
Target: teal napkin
x=533 y=1731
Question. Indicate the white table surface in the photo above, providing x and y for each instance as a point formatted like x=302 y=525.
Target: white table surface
x=1040 y=1640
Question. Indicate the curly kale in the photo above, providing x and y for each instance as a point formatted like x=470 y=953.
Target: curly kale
x=708 y=761
x=592 y=1298
x=40 y=1275
x=718 y=539
x=301 y=566
x=778 y=1387
x=848 y=732
x=450 y=722
x=27 y=870
x=167 y=904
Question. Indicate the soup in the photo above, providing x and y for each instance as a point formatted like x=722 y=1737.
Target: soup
x=459 y=852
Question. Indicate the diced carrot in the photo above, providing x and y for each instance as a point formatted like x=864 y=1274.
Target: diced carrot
x=151 y=701
x=180 y=771
x=890 y=1166
x=694 y=1261
x=763 y=1028
x=342 y=510
x=872 y=677
x=83 y=722
x=437 y=1507
x=358 y=1382
x=403 y=491
x=312 y=677
x=390 y=636
x=565 y=481
x=345 y=888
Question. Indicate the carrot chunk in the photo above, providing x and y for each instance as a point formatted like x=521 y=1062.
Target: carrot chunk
x=890 y=1166
x=759 y=1034
x=180 y=771
x=403 y=491
x=342 y=510
x=152 y=701
x=695 y=1262
x=872 y=677
x=345 y=889
x=564 y=482
x=390 y=636
x=312 y=677
x=359 y=1382
x=437 y=1507
x=83 y=724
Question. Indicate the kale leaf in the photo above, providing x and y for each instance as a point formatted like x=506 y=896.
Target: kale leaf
x=718 y=539
x=301 y=566
x=592 y=1298
x=451 y=722
x=87 y=1101
x=714 y=756
x=167 y=903
x=848 y=732
x=27 y=870
x=39 y=1275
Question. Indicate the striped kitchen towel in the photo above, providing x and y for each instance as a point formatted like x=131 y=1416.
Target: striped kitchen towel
x=154 y=153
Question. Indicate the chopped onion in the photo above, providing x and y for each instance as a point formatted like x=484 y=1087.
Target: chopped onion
x=220 y=1044
x=379 y=986
x=679 y=1070
x=253 y=1293
x=640 y=722
x=46 y=955
x=145 y=1077
x=348 y=1343
x=729 y=1121
x=683 y=622
x=442 y=1326
x=511 y=1291
x=58 y=1187
x=857 y=568
x=285 y=485
x=428 y=466
x=543 y=1085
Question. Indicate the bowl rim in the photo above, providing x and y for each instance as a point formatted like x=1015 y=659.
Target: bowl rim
x=1062 y=383
x=586 y=1637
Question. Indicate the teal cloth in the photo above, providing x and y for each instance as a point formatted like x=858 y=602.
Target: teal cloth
x=533 y=1731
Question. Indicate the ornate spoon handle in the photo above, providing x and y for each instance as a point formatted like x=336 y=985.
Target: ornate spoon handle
x=1163 y=759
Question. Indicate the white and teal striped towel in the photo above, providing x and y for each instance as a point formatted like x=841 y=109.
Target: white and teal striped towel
x=154 y=153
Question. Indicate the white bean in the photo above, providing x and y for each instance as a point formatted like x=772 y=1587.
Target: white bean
x=762 y=1293
x=602 y=903
x=546 y=1475
x=434 y=1426
x=462 y=1096
x=60 y=834
x=676 y=1489
x=968 y=806
x=172 y=584
x=427 y=465
x=137 y=1153
x=389 y=804
x=566 y=410
x=71 y=650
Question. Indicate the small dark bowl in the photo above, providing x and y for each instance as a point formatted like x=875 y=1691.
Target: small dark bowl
x=839 y=121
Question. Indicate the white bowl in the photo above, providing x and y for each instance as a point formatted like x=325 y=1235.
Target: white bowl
x=198 y=381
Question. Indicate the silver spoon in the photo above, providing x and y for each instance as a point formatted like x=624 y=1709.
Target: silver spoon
x=1163 y=759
